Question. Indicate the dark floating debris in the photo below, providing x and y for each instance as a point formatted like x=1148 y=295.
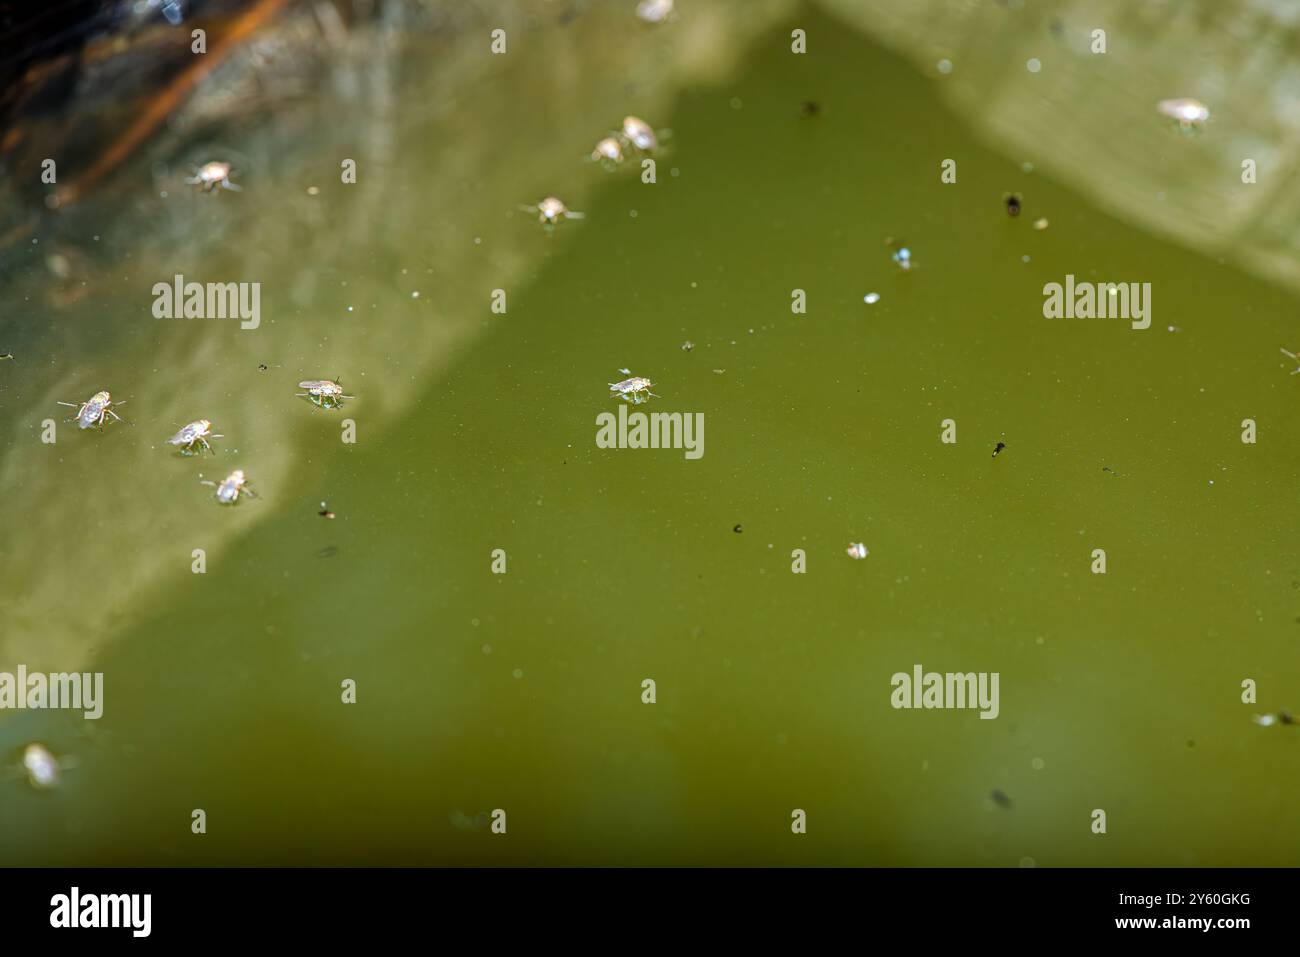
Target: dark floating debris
x=329 y=551
x=261 y=367
x=1000 y=798
x=7 y=355
x=1107 y=468
x=1012 y=202
x=737 y=529
x=1000 y=447
x=324 y=511
x=810 y=108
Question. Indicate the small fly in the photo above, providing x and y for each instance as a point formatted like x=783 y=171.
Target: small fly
x=551 y=210
x=901 y=254
x=44 y=770
x=92 y=411
x=1188 y=112
x=195 y=433
x=635 y=389
x=608 y=152
x=654 y=11
x=326 y=393
x=1267 y=720
x=231 y=487
x=211 y=175
x=1012 y=203
x=637 y=132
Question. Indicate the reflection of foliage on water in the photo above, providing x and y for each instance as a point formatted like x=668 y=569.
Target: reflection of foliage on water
x=1236 y=56
x=448 y=140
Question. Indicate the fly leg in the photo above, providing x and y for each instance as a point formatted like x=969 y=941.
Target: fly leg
x=79 y=407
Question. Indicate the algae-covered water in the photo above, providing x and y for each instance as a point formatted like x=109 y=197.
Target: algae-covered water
x=475 y=431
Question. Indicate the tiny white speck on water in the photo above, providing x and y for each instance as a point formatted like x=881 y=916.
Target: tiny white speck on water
x=415 y=295
x=518 y=672
x=694 y=284
x=478 y=240
x=1024 y=259
x=944 y=66
x=1026 y=167
x=1037 y=764
x=163 y=194
x=674 y=172
x=632 y=213
x=313 y=190
x=871 y=298
x=349 y=308
x=1034 y=65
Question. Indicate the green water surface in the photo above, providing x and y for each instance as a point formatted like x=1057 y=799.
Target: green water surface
x=476 y=431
